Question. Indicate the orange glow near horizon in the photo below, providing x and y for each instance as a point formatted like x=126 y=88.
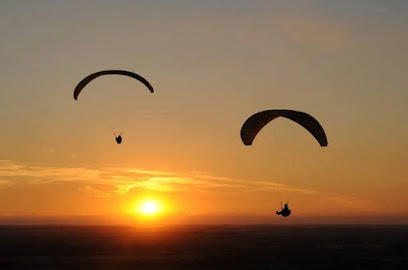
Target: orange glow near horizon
x=182 y=159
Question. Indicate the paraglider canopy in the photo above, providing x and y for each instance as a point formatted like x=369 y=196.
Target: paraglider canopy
x=93 y=76
x=256 y=122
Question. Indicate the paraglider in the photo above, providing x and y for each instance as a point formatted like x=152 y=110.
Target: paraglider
x=118 y=138
x=93 y=76
x=285 y=211
x=256 y=122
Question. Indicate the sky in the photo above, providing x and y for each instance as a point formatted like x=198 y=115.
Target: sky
x=212 y=64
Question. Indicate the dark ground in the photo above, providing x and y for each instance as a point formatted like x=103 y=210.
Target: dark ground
x=204 y=247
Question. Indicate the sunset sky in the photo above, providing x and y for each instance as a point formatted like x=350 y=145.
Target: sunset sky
x=212 y=64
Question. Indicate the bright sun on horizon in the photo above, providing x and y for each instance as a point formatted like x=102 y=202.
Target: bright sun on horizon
x=149 y=207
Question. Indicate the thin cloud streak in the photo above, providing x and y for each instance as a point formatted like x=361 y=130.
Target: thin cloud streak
x=123 y=180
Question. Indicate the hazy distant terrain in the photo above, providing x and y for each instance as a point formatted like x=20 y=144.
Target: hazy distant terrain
x=204 y=247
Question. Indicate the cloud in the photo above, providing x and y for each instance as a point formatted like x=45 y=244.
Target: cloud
x=11 y=169
x=282 y=187
x=352 y=203
x=96 y=192
x=249 y=185
x=105 y=182
x=4 y=183
x=316 y=30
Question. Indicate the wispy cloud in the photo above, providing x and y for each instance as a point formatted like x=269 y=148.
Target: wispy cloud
x=104 y=182
x=4 y=183
x=351 y=202
x=10 y=169
x=324 y=32
x=96 y=192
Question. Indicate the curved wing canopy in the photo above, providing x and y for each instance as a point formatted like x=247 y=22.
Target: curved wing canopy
x=89 y=78
x=256 y=122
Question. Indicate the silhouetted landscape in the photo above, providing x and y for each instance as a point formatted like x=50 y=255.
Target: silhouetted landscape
x=204 y=247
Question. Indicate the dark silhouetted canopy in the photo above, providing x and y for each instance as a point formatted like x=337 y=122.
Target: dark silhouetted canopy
x=89 y=78
x=257 y=121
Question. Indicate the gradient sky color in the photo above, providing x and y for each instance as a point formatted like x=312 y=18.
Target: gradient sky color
x=213 y=64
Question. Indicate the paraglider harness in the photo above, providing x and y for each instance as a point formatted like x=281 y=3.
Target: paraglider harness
x=285 y=211
x=118 y=138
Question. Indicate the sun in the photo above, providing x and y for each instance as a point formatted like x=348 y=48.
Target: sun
x=149 y=207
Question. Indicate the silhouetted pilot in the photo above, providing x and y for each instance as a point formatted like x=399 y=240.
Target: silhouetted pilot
x=284 y=211
x=118 y=138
